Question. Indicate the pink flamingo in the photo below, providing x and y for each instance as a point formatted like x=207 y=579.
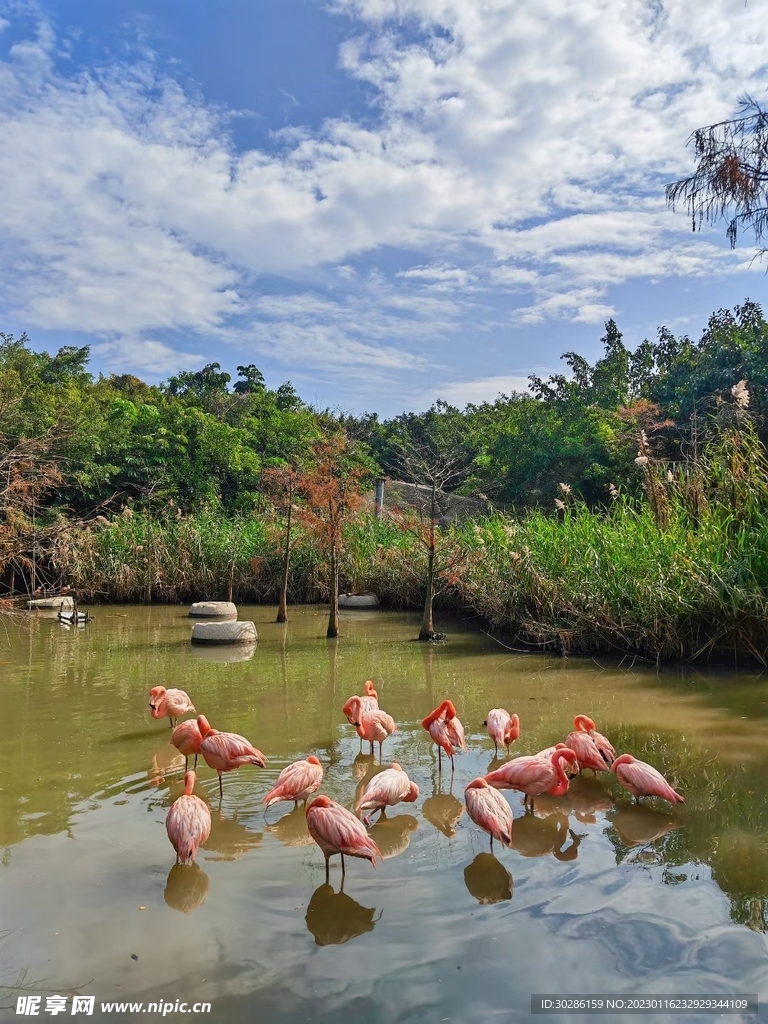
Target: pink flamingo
x=296 y=782
x=370 y=702
x=488 y=809
x=604 y=745
x=587 y=751
x=642 y=779
x=169 y=704
x=503 y=728
x=392 y=786
x=188 y=822
x=186 y=737
x=225 y=751
x=534 y=775
x=373 y=726
x=337 y=830
x=446 y=730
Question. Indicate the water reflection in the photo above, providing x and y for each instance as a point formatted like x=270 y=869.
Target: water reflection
x=292 y=829
x=225 y=654
x=443 y=810
x=487 y=879
x=186 y=888
x=393 y=835
x=334 y=917
x=166 y=760
x=535 y=836
x=229 y=838
x=638 y=825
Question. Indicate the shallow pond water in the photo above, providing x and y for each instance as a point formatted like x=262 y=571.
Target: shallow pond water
x=597 y=895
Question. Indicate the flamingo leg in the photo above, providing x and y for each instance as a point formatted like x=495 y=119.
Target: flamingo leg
x=221 y=788
x=371 y=742
x=381 y=750
x=343 y=869
x=491 y=844
x=453 y=766
x=439 y=758
x=170 y=722
x=327 y=870
x=195 y=760
x=495 y=749
x=186 y=763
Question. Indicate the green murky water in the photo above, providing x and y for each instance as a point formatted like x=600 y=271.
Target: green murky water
x=596 y=896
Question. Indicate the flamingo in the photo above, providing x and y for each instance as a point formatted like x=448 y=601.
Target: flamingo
x=488 y=809
x=370 y=702
x=534 y=775
x=373 y=726
x=386 y=789
x=186 y=737
x=225 y=751
x=169 y=703
x=337 y=830
x=587 y=751
x=446 y=730
x=603 y=744
x=188 y=822
x=296 y=782
x=503 y=728
x=642 y=779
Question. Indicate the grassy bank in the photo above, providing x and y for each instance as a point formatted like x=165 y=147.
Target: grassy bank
x=677 y=575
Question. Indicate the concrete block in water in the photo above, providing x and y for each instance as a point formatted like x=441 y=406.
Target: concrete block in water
x=59 y=603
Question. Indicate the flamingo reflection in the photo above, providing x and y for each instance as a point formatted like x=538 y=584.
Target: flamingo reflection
x=230 y=839
x=534 y=836
x=165 y=761
x=638 y=825
x=334 y=917
x=292 y=829
x=393 y=835
x=488 y=880
x=443 y=811
x=186 y=888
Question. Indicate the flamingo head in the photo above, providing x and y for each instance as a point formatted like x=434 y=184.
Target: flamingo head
x=413 y=794
x=189 y=783
x=204 y=726
x=155 y=694
x=478 y=784
x=622 y=759
x=319 y=801
x=563 y=753
x=312 y=759
x=582 y=723
x=513 y=729
x=353 y=708
x=450 y=710
x=396 y=766
x=446 y=708
x=370 y=689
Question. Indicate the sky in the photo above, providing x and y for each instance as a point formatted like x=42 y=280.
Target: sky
x=386 y=202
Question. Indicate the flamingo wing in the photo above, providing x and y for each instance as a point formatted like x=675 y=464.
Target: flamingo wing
x=226 y=751
x=295 y=782
x=606 y=748
x=586 y=751
x=387 y=788
x=188 y=824
x=496 y=723
x=456 y=733
x=488 y=809
x=337 y=830
x=186 y=737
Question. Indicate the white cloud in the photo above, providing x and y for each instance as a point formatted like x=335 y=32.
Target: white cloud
x=485 y=389
x=518 y=149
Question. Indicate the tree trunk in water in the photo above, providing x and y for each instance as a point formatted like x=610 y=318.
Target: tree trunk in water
x=427 y=623
x=333 y=618
x=282 y=611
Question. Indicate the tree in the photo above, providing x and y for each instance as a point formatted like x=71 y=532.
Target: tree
x=332 y=491
x=433 y=464
x=253 y=380
x=731 y=178
x=281 y=482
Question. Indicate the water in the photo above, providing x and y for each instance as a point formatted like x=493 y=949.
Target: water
x=597 y=895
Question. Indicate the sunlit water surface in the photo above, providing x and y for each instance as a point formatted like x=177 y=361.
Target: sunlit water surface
x=596 y=896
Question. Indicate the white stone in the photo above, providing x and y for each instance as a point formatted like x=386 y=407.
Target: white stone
x=241 y=632
x=213 y=610
x=66 y=603
x=358 y=601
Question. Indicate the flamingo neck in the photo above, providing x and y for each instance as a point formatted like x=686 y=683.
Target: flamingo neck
x=562 y=784
x=445 y=708
x=189 y=783
x=582 y=723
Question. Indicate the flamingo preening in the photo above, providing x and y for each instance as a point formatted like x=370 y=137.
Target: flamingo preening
x=373 y=725
x=446 y=730
x=337 y=830
x=642 y=779
x=296 y=782
x=534 y=775
x=392 y=786
x=502 y=728
x=586 y=749
x=488 y=809
x=186 y=737
x=226 y=751
x=169 y=704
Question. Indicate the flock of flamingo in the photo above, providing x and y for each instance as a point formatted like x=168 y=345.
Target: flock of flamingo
x=338 y=830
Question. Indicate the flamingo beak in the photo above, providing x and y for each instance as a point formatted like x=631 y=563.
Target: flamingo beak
x=356 y=724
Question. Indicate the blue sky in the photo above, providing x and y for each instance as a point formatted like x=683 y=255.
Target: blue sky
x=385 y=201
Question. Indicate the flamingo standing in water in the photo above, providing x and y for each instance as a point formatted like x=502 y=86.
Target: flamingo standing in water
x=296 y=782
x=169 y=704
x=188 y=822
x=503 y=728
x=373 y=726
x=389 y=787
x=488 y=809
x=642 y=779
x=225 y=751
x=534 y=775
x=370 y=702
x=587 y=751
x=186 y=737
x=602 y=743
x=446 y=730
x=337 y=830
